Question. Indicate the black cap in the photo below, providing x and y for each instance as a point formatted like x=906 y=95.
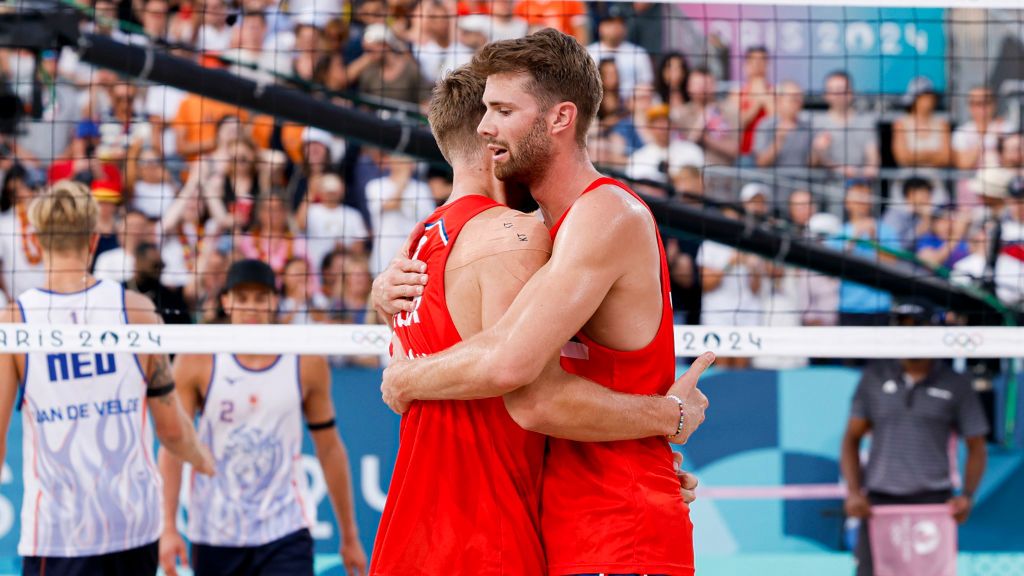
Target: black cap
x=251 y=272
x=615 y=12
x=917 y=310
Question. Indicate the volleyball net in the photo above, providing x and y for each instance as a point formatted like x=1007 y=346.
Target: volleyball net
x=947 y=342
x=819 y=172
x=812 y=167
x=768 y=138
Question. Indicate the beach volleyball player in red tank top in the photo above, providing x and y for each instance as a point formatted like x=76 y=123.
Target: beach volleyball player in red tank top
x=465 y=492
x=599 y=308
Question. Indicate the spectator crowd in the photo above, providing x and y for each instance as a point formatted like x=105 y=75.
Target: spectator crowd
x=186 y=184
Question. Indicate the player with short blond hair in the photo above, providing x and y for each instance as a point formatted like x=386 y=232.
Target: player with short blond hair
x=92 y=490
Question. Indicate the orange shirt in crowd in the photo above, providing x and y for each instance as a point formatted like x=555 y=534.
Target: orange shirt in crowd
x=291 y=136
x=198 y=117
x=467 y=7
x=562 y=15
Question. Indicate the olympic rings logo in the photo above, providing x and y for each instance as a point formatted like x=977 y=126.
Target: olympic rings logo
x=370 y=338
x=963 y=340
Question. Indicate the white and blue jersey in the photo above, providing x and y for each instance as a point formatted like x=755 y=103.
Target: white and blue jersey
x=91 y=482
x=252 y=423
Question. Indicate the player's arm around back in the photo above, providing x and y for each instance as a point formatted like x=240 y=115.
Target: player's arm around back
x=558 y=403
x=591 y=252
x=173 y=428
x=492 y=260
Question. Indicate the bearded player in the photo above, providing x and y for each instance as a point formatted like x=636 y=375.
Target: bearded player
x=601 y=304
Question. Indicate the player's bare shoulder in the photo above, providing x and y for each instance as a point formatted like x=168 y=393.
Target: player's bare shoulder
x=499 y=230
x=195 y=367
x=612 y=205
x=314 y=372
x=140 y=309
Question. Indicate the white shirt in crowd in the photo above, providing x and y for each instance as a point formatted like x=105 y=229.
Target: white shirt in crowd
x=163 y=102
x=176 y=271
x=733 y=303
x=302 y=312
x=329 y=227
x=18 y=273
x=153 y=198
x=632 y=62
x=315 y=12
x=457 y=55
x=783 y=306
x=514 y=28
x=432 y=57
x=392 y=227
x=967 y=137
x=117 y=265
x=646 y=163
x=210 y=39
x=1008 y=274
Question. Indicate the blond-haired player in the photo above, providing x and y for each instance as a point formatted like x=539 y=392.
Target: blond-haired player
x=92 y=490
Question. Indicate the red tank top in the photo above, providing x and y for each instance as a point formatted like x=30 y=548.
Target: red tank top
x=465 y=492
x=615 y=507
x=747 y=138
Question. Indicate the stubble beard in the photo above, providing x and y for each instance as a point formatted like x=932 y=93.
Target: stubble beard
x=531 y=158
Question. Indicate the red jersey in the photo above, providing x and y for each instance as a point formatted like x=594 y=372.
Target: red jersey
x=747 y=139
x=615 y=507
x=465 y=492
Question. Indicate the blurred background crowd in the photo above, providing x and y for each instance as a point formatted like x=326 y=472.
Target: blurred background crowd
x=929 y=179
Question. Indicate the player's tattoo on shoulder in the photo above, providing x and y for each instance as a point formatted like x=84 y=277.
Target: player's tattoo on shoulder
x=510 y=225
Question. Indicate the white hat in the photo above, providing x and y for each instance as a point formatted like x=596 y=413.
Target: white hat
x=375 y=33
x=992 y=182
x=824 y=224
x=752 y=189
x=683 y=154
x=313 y=134
x=335 y=146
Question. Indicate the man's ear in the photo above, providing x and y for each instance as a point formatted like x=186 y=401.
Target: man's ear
x=563 y=116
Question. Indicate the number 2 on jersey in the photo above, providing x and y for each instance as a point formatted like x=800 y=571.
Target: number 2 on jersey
x=227 y=408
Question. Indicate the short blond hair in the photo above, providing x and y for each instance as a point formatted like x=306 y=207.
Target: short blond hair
x=456 y=109
x=64 y=217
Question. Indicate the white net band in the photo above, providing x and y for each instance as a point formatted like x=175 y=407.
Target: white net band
x=354 y=340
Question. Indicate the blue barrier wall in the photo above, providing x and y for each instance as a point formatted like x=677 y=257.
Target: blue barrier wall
x=764 y=429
